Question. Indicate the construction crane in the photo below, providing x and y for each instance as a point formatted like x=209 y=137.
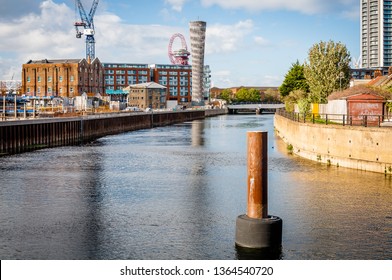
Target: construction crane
x=87 y=23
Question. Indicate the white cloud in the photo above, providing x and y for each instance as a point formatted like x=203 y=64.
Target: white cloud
x=303 y=6
x=48 y=34
x=176 y=5
x=51 y=34
x=227 y=38
x=222 y=78
x=121 y=42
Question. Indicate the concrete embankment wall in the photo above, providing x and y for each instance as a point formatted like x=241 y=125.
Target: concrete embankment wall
x=364 y=148
x=28 y=135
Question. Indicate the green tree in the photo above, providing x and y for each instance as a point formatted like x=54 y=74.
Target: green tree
x=241 y=95
x=303 y=106
x=327 y=69
x=294 y=79
x=254 y=95
x=226 y=95
x=271 y=95
x=293 y=98
x=247 y=95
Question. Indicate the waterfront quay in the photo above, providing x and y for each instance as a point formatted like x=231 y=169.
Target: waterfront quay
x=332 y=141
x=27 y=135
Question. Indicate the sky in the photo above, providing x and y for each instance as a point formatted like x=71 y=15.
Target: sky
x=248 y=42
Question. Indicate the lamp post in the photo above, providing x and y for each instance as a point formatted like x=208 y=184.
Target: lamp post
x=341 y=76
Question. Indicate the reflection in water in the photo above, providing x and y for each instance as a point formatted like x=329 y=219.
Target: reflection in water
x=175 y=193
x=197 y=133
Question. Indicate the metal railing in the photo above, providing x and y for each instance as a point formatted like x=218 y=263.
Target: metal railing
x=339 y=119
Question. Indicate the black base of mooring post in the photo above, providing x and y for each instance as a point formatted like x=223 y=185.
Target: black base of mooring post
x=263 y=233
x=243 y=253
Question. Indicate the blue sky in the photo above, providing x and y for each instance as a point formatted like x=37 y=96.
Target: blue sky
x=249 y=42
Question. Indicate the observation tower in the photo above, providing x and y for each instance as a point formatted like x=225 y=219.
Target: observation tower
x=180 y=56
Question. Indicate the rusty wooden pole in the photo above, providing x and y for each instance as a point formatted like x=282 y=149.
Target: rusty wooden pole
x=257 y=174
x=256 y=229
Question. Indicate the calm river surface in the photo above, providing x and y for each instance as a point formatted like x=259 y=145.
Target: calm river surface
x=175 y=192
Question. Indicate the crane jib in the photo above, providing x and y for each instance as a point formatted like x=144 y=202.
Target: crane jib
x=87 y=23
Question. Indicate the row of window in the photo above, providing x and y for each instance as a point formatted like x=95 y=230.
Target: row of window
x=50 y=90
x=71 y=79
x=125 y=65
x=174 y=73
x=172 y=66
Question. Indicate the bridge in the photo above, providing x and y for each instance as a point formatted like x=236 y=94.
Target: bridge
x=256 y=107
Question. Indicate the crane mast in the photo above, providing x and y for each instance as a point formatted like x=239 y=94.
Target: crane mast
x=87 y=24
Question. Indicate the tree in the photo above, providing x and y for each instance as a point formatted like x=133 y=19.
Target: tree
x=254 y=95
x=327 y=70
x=293 y=98
x=294 y=79
x=247 y=95
x=241 y=95
x=271 y=95
x=226 y=95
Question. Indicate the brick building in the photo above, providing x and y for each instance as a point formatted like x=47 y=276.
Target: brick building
x=177 y=79
x=62 y=78
x=146 y=95
x=120 y=75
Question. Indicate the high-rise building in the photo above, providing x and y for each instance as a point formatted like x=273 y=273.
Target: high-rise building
x=376 y=33
x=206 y=82
x=198 y=35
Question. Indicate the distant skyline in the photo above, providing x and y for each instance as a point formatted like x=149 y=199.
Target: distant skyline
x=248 y=42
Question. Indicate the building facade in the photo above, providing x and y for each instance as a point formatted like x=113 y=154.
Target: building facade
x=376 y=33
x=177 y=79
x=120 y=75
x=206 y=83
x=198 y=36
x=65 y=78
x=146 y=95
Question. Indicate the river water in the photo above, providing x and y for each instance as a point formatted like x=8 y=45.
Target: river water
x=175 y=192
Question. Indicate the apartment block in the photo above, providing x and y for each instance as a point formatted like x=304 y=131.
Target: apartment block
x=177 y=79
x=119 y=75
x=376 y=33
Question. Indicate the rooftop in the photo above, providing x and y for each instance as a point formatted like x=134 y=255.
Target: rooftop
x=150 y=85
x=359 y=89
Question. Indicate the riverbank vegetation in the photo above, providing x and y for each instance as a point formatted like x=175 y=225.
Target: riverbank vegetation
x=250 y=95
x=326 y=70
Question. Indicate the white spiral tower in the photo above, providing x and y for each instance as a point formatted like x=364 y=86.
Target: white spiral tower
x=198 y=35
